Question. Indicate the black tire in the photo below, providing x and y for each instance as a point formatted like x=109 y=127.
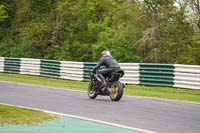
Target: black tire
x=116 y=91
x=91 y=92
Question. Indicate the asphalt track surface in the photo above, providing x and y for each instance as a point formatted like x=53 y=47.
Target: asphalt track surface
x=144 y=113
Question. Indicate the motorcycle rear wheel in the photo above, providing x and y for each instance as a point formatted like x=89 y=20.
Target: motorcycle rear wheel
x=116 y=91
x=92 y=93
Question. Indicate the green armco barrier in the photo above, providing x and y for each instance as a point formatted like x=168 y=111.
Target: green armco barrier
x=157 y=74
x=88 y=66
x=12 y=65
x=50 y=68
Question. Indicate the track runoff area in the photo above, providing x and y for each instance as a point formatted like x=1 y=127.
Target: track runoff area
x=70 y=124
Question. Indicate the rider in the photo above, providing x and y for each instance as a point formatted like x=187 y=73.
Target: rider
x=111 y=66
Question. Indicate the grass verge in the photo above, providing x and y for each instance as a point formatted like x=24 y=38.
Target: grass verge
x=14 y=115
x=132 y=90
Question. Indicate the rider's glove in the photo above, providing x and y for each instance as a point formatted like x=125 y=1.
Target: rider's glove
x=94 y=70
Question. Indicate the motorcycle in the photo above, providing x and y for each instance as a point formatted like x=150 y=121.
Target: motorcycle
x=114 y=87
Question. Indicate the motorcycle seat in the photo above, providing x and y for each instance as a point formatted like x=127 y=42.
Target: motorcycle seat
x=114 y=76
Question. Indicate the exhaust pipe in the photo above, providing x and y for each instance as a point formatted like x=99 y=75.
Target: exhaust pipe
x=124 y=84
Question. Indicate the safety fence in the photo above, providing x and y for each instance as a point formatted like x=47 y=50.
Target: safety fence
x=169 y=75
x=187 y=76
x=157 y=74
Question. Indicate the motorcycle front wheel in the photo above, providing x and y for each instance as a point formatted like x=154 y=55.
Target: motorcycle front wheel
x=116 y=91
x=92 y=93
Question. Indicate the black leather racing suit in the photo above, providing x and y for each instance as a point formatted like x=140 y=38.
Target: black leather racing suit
x=111 y=66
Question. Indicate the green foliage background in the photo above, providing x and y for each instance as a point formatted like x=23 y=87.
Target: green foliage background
x=133 y=30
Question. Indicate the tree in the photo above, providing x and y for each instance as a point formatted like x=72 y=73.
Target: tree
x=122 y=29
x=157 y=12
x=3 y=14
x=157 y=31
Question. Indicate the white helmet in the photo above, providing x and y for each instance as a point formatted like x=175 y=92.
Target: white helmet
x=105 y=52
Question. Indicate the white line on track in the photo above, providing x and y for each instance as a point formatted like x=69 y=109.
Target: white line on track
x=43 y=86
x=84 y=118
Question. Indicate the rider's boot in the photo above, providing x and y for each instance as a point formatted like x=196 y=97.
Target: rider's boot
x=104 y=84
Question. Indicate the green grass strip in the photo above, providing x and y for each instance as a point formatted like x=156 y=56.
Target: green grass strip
x=131 y=90
x=14 y=115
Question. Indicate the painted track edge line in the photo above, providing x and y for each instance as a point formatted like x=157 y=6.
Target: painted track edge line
x=84 y=118
x=43 y=86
